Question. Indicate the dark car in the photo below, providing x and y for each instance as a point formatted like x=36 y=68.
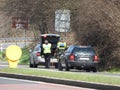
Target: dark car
x=79 y=57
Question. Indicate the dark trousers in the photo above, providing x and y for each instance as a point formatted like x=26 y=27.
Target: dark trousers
x=47 y=60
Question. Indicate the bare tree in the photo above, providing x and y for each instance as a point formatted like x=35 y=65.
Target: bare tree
x=94 y=22
x=39 y=12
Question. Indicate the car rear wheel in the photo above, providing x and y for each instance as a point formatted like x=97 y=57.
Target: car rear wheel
x=94 y=69
x=35 y=65
x=31 y=64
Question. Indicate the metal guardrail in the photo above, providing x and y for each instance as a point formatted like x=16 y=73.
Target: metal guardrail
x=30 y=39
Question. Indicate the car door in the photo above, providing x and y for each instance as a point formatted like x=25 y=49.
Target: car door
x=66 y=54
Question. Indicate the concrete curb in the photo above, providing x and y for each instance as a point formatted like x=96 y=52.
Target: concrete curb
x=62 y=81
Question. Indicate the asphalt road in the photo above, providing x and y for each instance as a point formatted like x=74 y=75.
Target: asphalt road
x=19 y=84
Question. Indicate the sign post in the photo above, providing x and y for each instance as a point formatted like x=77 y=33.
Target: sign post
x=1 y=47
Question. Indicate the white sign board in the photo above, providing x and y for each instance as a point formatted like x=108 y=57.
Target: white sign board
x=62 y=20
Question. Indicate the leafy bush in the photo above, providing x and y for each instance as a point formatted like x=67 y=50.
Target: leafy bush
x=25 y=56
x=2 y=56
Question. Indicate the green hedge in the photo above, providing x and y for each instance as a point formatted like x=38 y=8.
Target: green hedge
x=25 y=56
x=2 y=56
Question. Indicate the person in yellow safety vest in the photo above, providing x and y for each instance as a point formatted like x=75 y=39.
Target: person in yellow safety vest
x=47 y=53
x=61 y=47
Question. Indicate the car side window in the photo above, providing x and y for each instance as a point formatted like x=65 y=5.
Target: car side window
x=37 y=48
x=70 y=49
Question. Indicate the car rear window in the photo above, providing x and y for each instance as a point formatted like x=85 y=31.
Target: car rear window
x=84 y=50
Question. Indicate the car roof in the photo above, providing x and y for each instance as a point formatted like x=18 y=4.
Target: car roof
x=85 y=46
x=80 y=46
x=51 y=35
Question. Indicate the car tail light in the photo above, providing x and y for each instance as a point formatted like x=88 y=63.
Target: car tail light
x=95 y=58
x=44 y=36
x=72 y=57
x=38 y=54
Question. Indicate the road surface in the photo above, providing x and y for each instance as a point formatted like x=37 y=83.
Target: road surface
x=18 y=84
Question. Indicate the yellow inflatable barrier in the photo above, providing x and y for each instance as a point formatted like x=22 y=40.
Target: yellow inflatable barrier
x=13 y=64
x=13 y=54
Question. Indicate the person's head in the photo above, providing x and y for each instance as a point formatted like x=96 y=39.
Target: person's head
x=46 y=41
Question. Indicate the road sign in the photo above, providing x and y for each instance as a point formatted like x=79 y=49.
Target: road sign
x=19 y=23
x=62 y=20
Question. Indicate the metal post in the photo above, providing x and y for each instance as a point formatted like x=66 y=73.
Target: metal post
x=1 y=47
x=16 y=36
x=25 y=37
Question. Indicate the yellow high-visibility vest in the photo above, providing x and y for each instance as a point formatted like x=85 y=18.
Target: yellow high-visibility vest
x=47 y=48
x=61 y=45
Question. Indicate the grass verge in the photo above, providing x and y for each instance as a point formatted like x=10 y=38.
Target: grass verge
x=90 y=77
